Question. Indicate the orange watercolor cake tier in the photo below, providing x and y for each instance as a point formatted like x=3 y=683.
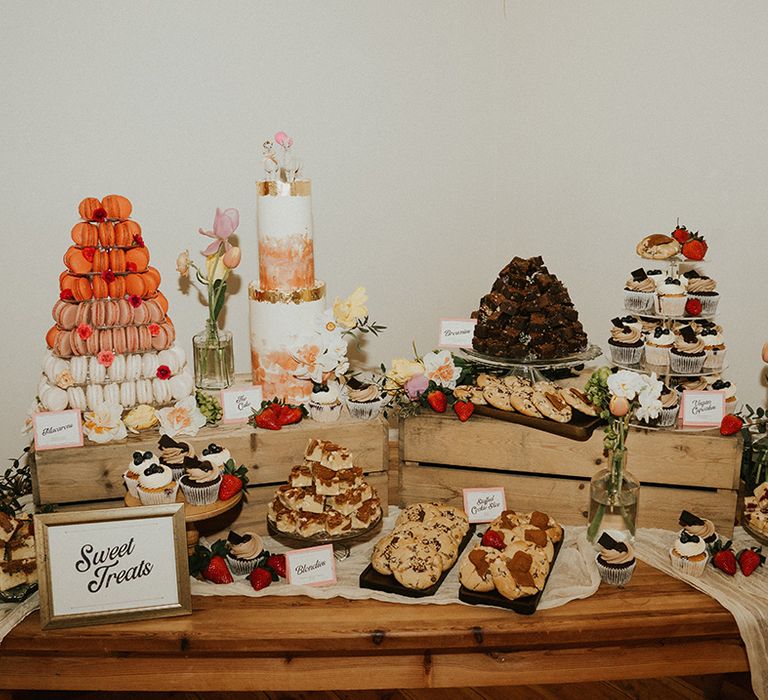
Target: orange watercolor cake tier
x=277 y=382
x=286 y=263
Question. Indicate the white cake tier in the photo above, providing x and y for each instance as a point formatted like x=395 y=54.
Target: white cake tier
x=282 y=329
x=284 y=229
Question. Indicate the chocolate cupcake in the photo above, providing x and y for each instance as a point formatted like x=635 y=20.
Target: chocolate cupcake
x=626 y=343
x=200 y=484
x=243 y=552
x=615 y=561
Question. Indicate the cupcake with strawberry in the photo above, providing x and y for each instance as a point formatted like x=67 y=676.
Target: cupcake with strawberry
x=703 y=289
x=243 y=552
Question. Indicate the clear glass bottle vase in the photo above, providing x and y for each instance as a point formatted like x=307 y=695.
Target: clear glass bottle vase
x=613 y=499
x=213 y=357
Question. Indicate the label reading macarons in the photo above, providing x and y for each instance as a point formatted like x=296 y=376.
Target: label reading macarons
x=55 y=430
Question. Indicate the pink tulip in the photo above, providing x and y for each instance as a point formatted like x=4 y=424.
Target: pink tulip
x=232 y=257
x=618 y=406
x=416 y=386
x=224 y=225
x=282 y=139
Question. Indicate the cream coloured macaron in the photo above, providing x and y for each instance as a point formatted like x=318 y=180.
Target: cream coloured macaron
x=53 y=367
x=133 y=367
x=128 y=394
x=116 y=371
x=170 y=360
x=53 y=398
x=96 y=371
x=94 y=396
x=149 y=365
x=78 y=368
x=144 y=393
x=182 y=385
x=181 y=356
x=76 y=397
x=161 y=390
x=112 y=393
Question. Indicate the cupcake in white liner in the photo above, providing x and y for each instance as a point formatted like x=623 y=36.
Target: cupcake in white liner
x=200 y=484
x=694 y=525
x=615 y=561
x=687 y=355
x=131 y=475
x=671 y=297
x=703 y=288
x=715 y=348
x=173 y=454
x=658 y=276
x=365 y=402
x=325 y=403
x=639 y=292
x=243 y=552
x=157 y=485
x=670 y=407
x=730 y=393
x=626 y=343
x=657 y=346
x=217 y=455
x=689 y=555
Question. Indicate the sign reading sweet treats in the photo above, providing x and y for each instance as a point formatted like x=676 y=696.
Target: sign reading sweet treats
x=55 y=430
x=456 y=332
x=702 y=409
x=314 y=566
x=112 y=565
x=484 y=505
x=239 y=403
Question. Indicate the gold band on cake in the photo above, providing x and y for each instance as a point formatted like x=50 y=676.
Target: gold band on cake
x=286 y=296
x=276 y=188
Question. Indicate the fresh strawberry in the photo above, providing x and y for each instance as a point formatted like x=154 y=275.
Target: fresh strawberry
x=233 y=480
x=681 y=234
x=750 y=559
x=695 y=248
x=210 y=563
x=491 y=538
x=260 y=578
x=724 y=558
x=692 y=307
x=288 y=415
x=276 y=562
x=463 y=409
x=730 y=425
x=268 y=418
x=437 y=400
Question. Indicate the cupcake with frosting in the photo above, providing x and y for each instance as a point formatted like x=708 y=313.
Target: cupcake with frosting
x=131 y=475
x=200 y=484
x=173 y=454
x=703 y=288
x=694 y=525
x=687 y=354
x=657 y=346
x=325 y=403
x=626 y=343
x=671 y=297
x=615 y=560
x=670 y=406
x=639 y=291
x=693 y=384
x=364 y=401
x=714 y=346
x=243 y=552
x=633 y=322
x=730 y=393
x=658 y=276
x=689 y=554
x=215 y=454
x=156 y=485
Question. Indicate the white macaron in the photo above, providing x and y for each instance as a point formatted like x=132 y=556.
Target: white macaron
x=112 y=393
x=149 y=365
x=116 y=371
x=78 y=367
x=182 y=385
x=128 y=394
x=94 y=396
x=162 y=391
x=54 y=399
x=132 y=367
x=144 y=392
x=169 y=359
x=97 y=372
x=76 y=397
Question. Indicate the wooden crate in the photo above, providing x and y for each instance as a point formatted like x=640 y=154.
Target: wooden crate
x=439 y=456
x=91 y=476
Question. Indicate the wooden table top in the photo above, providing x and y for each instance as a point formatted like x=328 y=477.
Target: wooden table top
x=657 y=626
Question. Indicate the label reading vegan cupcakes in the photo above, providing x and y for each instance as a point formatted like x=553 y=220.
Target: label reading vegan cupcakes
x=702 y=409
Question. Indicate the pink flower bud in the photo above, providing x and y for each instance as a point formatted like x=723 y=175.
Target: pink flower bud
x=232 y=257
x=281 y=138
x=765 y=353
x=618 y=406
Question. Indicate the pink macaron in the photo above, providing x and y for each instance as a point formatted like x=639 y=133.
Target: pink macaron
x=156 y=314
x=62 y=346
x=111 y=313
x=69 y=316
x=105 y=339
x=169 y=328
x=124 y=312
x=83 y=314
x=132 y=338
x=93 y=343
x=78 y=345
x=98 y=313
x=118 y=340
x=141 y=314
x=160 y=341
x=145 y=338
x=56 y=310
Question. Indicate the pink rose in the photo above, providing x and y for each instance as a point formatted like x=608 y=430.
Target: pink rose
x=416 y=386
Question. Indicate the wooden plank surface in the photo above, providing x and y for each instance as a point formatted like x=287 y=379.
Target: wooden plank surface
x=699 y=459
x=565 y=499
x=300 y=643
x=94 y=472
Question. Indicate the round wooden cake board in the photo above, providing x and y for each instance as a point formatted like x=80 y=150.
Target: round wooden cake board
x=194 y=514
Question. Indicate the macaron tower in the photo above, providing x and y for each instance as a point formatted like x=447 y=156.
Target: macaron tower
x=111 y=341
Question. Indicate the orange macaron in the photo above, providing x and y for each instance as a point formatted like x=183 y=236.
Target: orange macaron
x=117 y=206
x=106 y=234
x=117 y=260
x=87 y=207
x=85 y=234
x=76 y=261
x=100 y=261
x=100 y=288
x=50 y=336
x=125 y=231
x=139 y=257
x=117 y=288
x=135 y=285
x=162 y=301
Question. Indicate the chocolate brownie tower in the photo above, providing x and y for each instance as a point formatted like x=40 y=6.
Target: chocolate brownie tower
x=528 y=315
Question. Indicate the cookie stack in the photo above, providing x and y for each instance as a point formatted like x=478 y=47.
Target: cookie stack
x=514 y=557
x=424 y=544
x=326 y=495
x=528 y=315
x=535 y=399
x=111 y=341
x=18 y=564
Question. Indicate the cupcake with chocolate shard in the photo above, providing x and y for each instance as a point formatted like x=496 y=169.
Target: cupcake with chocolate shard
x=694 y=525
x=173 y=453
x=243 y=552
x=626 y=343
x=639 y=291
x=615 y=561
x=670 y=406
x=703 y=288
x=687 y=355
x=200 y=483
x=672 y=297
x=364 y=401
x=215 y=454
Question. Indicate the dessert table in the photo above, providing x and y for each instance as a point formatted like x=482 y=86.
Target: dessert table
x=657 y=626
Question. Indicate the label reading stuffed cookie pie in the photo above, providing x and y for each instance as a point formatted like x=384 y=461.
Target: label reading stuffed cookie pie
x=484 y=505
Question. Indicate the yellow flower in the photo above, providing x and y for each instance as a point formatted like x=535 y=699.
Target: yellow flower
x=402 y=370
x=216 y=268
x=141 y=417
x=352 y=309
x=182 y=263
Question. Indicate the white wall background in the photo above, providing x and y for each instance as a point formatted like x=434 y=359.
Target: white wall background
x=442 y=139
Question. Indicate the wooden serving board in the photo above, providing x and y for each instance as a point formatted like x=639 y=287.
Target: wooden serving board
x=372 y=579
x=523 y=606
x=579 y=428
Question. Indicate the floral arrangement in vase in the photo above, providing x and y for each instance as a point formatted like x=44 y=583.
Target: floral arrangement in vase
x=614 y=491
x=213 y=356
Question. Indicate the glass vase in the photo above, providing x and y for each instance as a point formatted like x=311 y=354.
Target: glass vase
x=613 y=498
x=214 y=358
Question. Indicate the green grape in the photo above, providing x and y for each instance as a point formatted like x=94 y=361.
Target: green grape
x=209 y=407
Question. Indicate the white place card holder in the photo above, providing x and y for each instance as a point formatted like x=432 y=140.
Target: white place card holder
x=702 y=409
x=314 y=566
x=238 y=403
x=484 y=505
x=456 y=332
x=55 y=430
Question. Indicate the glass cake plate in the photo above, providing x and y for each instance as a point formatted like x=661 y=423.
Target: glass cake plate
x=761 y=537
x=592 y=352
x=322 y=538
x=664 y=370
x=18 y=594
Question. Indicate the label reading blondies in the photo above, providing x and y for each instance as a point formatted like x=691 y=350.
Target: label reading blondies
x=55 y=430
x=702 y=409
x=239 y=403
x=456 y=332
x=314 y=566
x=484 y=505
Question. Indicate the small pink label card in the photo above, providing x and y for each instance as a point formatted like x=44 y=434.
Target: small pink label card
x=456 y=332
x=55 y=430
x=702 y=409
x=314 y=566
x=238 y=403
x=484 y=505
